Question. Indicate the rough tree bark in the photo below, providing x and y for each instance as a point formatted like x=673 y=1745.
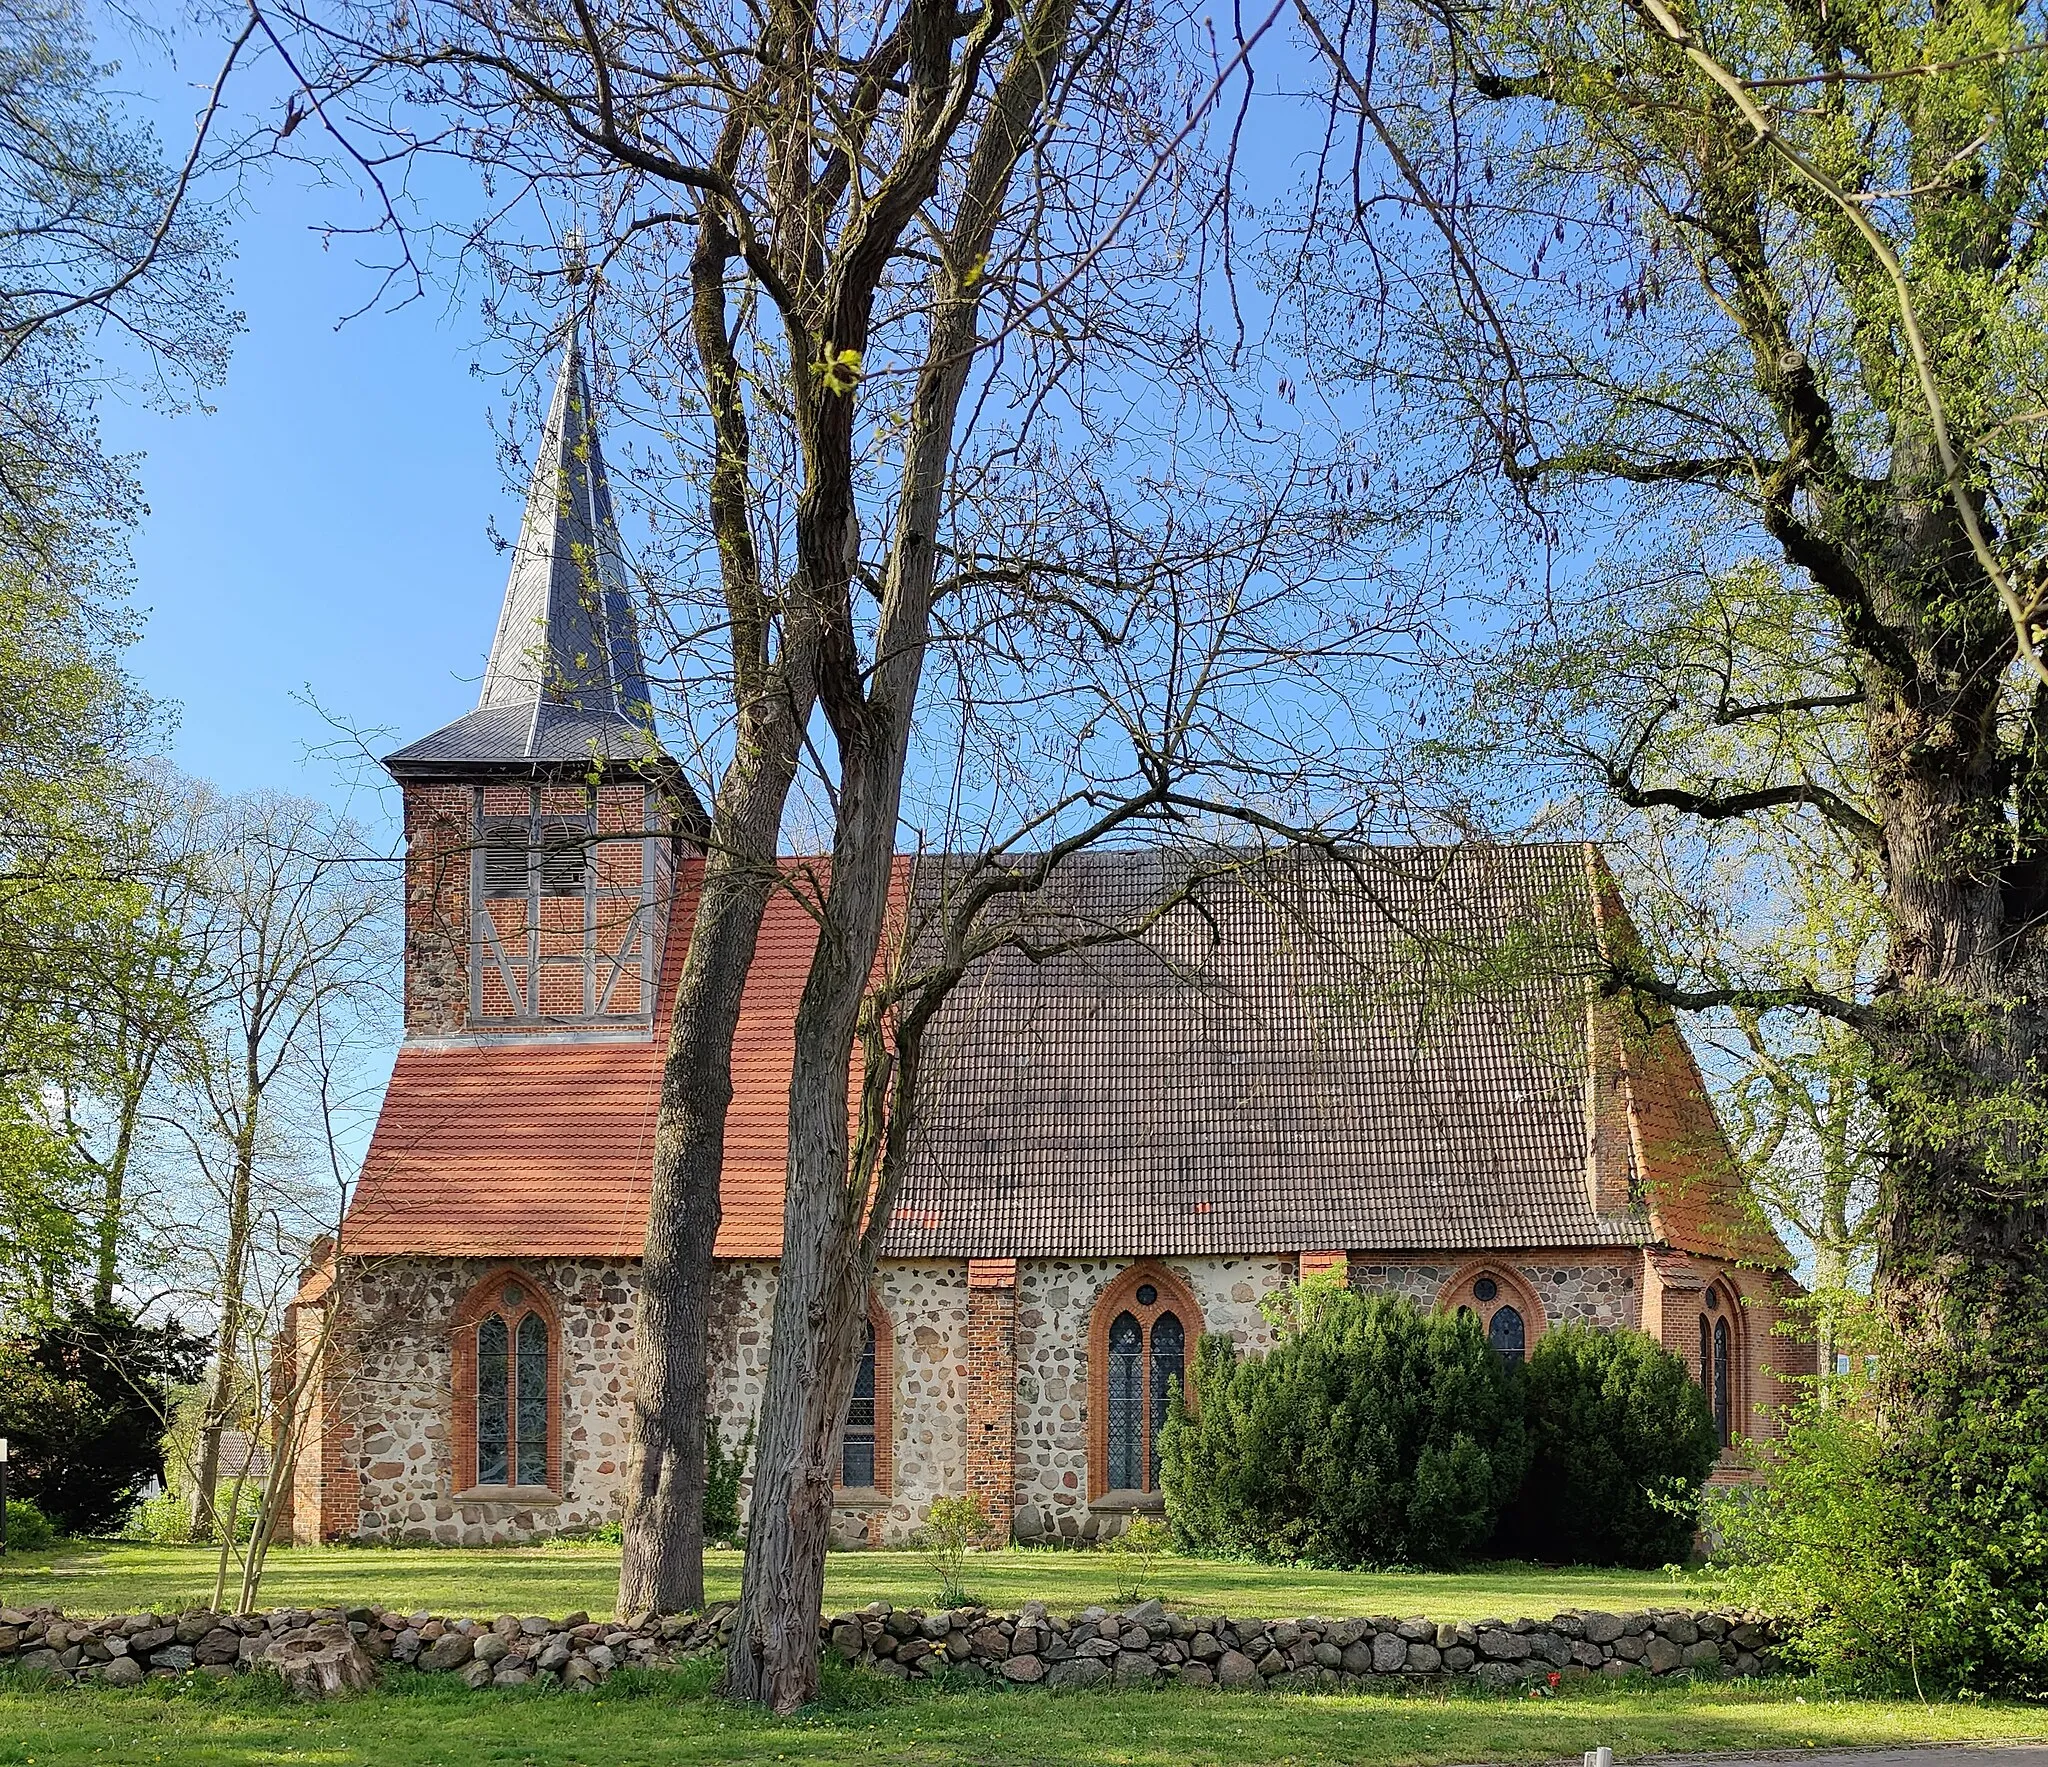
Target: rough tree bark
x=831 y=1218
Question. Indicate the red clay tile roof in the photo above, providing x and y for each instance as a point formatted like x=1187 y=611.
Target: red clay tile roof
x=531 y=1149
x=1275 y=1072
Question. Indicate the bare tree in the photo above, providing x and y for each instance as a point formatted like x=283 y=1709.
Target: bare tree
x=297 y=946
x=840 y=439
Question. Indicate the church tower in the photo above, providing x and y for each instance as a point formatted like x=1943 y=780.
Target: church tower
x=540 y=828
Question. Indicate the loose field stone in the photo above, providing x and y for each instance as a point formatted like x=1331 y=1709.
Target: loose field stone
x=1023 y=1670
x=1077 y=1672
x=122 y=1672
x=1235 y=1669
x=1662 y=1655
x=1389 y=1653
x=1424 y=1659
x=449 y=1651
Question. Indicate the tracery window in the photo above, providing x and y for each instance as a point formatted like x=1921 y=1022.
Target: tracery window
x=505 y=1385
x=1507 y=1310
x=1717 y=1359
x=1145 y=1324
x=857 y=1443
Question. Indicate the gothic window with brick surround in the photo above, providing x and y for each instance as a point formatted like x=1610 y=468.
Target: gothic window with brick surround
x=1718 y=1326
x=1504 y=1305
x=864 y=1442
x=1144 y=1327
x=507 y=1378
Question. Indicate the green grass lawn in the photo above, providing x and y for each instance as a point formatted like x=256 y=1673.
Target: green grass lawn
x=120 y=1578
x=668 y=1721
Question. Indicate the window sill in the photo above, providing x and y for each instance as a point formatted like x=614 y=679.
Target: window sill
x=519 y=1496
x=859 y=1497
x=1147 y=1502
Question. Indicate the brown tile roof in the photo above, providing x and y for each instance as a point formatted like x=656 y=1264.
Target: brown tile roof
x=1310 y=1054
x=1313 y=1054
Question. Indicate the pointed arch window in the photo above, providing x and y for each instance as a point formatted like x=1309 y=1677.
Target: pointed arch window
x=507 y=1379
x=1505 y=1306
x=864 y=1440
x=1145 y=1324
x=1718 y=1365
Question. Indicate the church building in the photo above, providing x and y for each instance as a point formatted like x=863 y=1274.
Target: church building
x=1308 y=1062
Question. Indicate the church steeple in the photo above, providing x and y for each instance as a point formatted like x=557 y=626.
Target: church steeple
x=566 y=680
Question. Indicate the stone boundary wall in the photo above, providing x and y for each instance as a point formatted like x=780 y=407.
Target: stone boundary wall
x=1139 y=1647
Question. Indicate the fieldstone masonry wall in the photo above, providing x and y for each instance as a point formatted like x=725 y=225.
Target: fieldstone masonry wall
x=1055 y=1301
x=1602 y=1294
x=1140 y=1647
x=385 y=1470
x=395 y=1434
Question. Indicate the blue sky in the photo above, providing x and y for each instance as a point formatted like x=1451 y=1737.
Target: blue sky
x=326 y=526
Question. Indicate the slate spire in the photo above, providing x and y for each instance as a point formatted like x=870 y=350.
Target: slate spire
x=566 y=678
x=566 y=632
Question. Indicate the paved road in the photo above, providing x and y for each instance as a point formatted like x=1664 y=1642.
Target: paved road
x=1935 y=1755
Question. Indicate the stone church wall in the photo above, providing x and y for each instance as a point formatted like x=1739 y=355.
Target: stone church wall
x=398 y=1399
x=927 y=1308
x=1055 y=1303
x=396 y=1440
x=396 y=1429
x=1603 y=1293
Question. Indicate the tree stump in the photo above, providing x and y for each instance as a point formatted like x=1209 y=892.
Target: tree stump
x=321 y=1662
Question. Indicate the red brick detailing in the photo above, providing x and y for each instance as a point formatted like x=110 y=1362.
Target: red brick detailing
x=1510 y=1291
x=1121 y=1296
x=484 y=1299
x=992 y=1388
x=1316 y=1263
x=437 y=847
x=1697 y=1197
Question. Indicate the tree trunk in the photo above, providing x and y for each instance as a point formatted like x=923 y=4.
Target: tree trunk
x=820 y=1293
x=1962 y=1270
x=662 y=1566
x=108 y=1228
x=228 y=1338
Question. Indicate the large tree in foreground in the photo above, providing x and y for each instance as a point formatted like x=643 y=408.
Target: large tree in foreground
x=1734 y=311
x=897 y=296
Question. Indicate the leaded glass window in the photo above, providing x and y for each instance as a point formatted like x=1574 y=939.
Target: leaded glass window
x=1126 y=1389
x=512 y=1376
x=533 y=1401
x=857 y=1444
x=493 y=1409
x=1723 y=1384
x=1707 y=1358
x=1507 y=1334
x=1169 y=1358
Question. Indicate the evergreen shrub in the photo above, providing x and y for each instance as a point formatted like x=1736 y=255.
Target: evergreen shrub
x=1621 y=1441
x=28 y=1529
x=1373 y=1433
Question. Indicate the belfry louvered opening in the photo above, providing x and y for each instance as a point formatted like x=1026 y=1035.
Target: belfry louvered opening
x=506 y=852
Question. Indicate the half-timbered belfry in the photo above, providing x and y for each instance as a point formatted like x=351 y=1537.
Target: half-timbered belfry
x=1118 y=1149
x=538 y=824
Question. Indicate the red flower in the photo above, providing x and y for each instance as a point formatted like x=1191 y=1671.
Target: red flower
x=1555 y=1678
